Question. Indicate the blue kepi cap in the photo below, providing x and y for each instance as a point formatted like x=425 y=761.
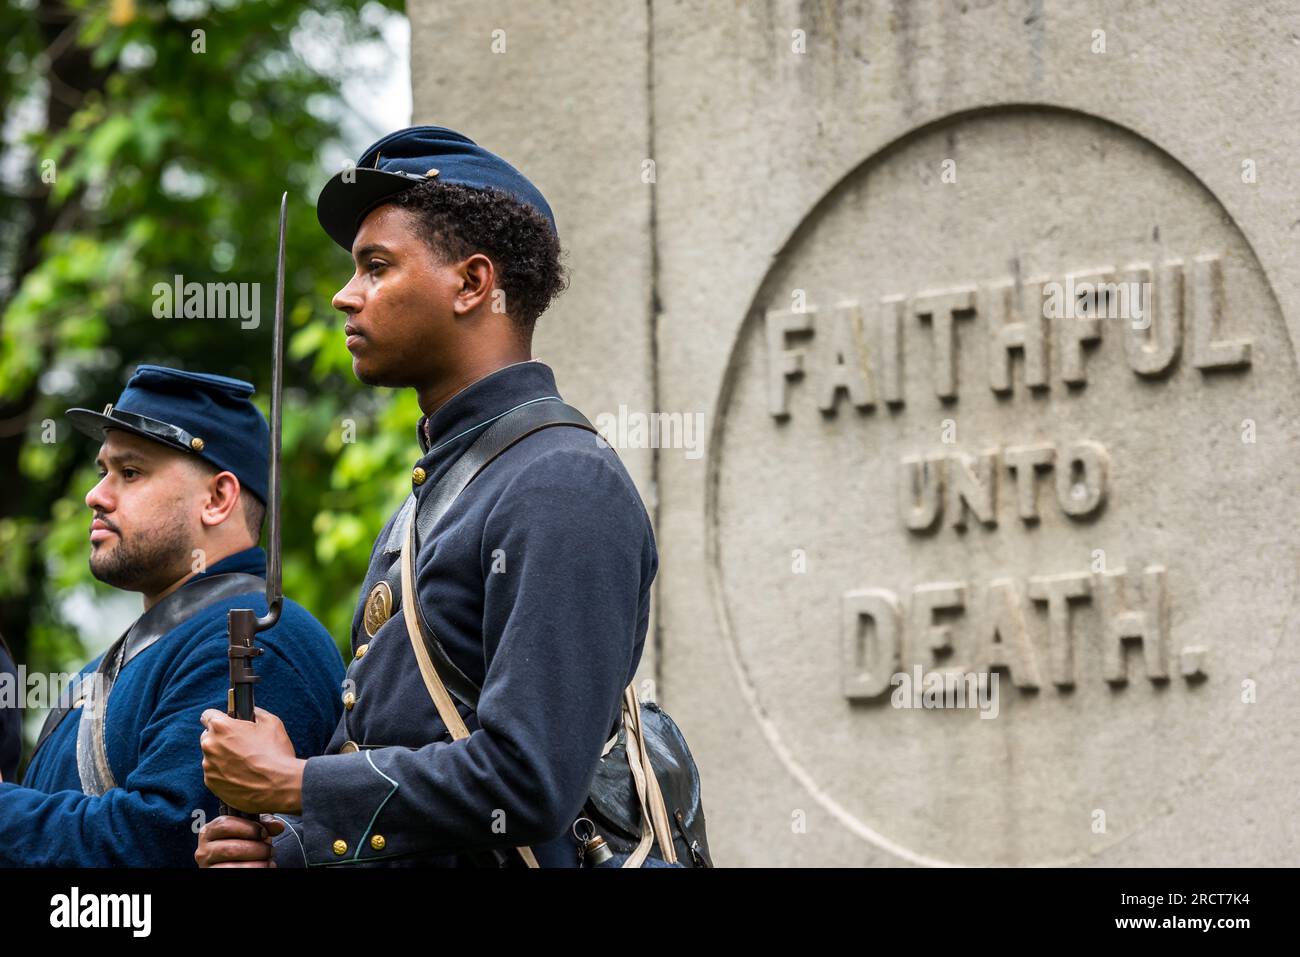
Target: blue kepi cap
x=210 y=416
x=414 y=155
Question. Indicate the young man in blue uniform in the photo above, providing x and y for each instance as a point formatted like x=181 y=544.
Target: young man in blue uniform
x=536 y=580
x=116 y=778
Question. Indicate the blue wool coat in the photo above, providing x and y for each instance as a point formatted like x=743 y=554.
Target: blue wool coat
x=537 y=581
x=152 y=739
x=11 y=723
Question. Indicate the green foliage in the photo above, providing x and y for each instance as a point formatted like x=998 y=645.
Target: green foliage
x=172 y=165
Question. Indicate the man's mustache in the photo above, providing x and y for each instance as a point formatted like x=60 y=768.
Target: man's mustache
x=112 y=527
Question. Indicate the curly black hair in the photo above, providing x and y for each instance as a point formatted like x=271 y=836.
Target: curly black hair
x=459 y=221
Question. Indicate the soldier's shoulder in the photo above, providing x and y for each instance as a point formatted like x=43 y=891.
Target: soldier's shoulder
x=568 y=477
x=565 y=459
x=303 y=641
x=298 y=618
x=296 y=622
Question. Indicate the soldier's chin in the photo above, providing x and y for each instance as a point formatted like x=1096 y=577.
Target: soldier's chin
x=368 y=374
x=115 y=569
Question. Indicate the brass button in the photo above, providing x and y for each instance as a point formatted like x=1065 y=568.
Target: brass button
x=377 y=842
x=349 y=747
x=196 y=444
x=418 y=475
x=361 y=650
x=340 y=848
x=349 y=700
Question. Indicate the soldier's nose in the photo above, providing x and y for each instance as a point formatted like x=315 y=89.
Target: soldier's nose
x=97 y=499
x=345 y=300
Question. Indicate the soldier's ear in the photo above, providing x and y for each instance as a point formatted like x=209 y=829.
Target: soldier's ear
x=478 y=278
x=223 y=492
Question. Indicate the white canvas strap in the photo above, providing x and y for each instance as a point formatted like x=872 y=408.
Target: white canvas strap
x=437 y=690
x=654 y=815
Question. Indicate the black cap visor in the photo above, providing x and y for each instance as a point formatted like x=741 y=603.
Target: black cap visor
x=95 y=424
x=342 y=206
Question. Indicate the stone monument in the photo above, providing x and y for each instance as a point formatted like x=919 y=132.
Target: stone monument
x=986 y=553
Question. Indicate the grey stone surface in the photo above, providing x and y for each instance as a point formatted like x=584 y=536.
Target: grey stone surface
x=563 y=95
x=885 y=198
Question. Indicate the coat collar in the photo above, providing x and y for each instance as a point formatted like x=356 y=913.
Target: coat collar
x=251 y=561
x=482 y=400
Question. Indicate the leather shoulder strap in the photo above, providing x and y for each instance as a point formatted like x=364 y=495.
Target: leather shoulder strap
x=183 y=604
x=173 y=611
x=419 y=643
x=500 y=436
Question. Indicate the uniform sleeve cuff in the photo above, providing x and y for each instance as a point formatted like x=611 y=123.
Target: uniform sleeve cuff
x=342 y=795
x=288 y=846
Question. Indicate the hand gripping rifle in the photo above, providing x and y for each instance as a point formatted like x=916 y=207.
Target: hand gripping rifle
x=243 y=623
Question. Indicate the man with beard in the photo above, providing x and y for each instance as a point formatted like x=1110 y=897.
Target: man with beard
x=535 y=583
x=116 y=777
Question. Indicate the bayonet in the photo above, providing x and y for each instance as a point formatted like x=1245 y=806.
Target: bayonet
x=243 y=623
